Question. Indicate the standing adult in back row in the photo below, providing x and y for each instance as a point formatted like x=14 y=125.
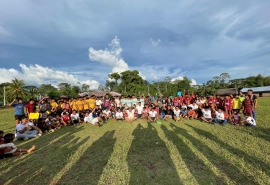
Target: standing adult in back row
x=19 y=109
x=254 y=102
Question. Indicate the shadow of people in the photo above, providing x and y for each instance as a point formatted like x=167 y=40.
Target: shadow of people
x=149 y=160
x=255 y=162
x=89 y=167
x=202 y=173
x=50 y=157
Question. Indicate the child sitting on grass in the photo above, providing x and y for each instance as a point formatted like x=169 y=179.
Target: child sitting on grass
x=249 y=120
x=8 y=142
x=236 y=118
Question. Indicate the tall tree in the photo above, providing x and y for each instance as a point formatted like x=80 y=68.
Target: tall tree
x=116 y=77
x=223 y=78
x=44 y=89
x=16 y=89
x=85 y=87
x=64 y=88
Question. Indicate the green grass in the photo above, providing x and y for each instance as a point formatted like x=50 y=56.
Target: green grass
x=190 y=152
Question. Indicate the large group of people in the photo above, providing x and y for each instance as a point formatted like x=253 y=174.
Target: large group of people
x=36 y=117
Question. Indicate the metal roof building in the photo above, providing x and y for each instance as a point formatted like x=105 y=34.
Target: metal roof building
x=257 y=89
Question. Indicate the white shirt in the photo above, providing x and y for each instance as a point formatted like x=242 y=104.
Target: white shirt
x=194 y=107
x=177 y=112
x=153 y=114
x=220 y=115
x=139 y=108
x=88 y=118
x=98 y=102
x=206 y=114
x=184 y=107
x=130 y=113
x=119 y=115
x=74 y=116
x=117 y=101
x=107 y=112
x=19 y=127
x=251 y=121
x=12 y=145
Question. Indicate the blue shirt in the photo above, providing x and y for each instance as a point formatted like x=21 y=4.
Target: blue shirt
x=19 y=108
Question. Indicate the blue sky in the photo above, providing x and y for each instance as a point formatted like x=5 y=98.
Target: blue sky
x=84 y=40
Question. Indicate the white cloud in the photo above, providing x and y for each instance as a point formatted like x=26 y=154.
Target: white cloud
x=193 y=82
x=36 y=74
x=155 y=42
x=110 y=57
x=177 y=78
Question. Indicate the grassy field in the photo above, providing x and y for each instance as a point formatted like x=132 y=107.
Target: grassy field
x=190 y=152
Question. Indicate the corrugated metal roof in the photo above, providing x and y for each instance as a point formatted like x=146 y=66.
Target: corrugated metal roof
x=256 y=89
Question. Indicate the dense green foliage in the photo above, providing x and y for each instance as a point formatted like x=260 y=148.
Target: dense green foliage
x=190 y=152
x=130 y=82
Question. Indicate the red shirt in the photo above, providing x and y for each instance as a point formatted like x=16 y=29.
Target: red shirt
x=228 y=103
x=219 y=102
x=211 y=100
x=30 y=108
x=65 y=117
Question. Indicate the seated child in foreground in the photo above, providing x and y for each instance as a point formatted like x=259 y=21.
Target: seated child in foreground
x=8 y=142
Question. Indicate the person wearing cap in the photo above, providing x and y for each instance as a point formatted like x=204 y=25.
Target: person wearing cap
x=254 y=102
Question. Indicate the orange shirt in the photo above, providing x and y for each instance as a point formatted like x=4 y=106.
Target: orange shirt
x=191 y=112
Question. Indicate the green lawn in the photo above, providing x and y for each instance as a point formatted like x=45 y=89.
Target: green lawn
x=190 y=152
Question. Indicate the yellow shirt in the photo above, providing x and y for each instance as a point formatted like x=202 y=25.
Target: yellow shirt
x=85 y=104
x=63 y=105
x=236 y=103
x=73 y=105
x=79 y=104
x=92 y=103
x=54 y=104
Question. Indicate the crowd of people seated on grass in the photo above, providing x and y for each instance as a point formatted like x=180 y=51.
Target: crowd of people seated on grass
x=51 y=114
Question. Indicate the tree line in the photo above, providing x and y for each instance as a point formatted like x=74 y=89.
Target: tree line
x=130 y=82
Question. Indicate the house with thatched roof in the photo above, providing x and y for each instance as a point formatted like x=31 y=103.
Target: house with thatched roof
x=225 y=92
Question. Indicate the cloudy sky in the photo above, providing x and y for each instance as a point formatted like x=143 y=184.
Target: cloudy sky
x=84 y=40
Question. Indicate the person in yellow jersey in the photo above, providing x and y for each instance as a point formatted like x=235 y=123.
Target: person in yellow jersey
x=92 y=102
x=86 y=103
x=63 y=105
x=53 y=104
x=79 y=104
x=237 y=104
x=73 y=104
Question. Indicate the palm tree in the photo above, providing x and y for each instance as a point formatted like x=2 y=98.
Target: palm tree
x=16 y=89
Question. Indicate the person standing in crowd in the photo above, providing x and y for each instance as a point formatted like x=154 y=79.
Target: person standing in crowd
x=19 y=109
x=237 y=104
x=254 y=102
x=139 y=109
x=30 y=107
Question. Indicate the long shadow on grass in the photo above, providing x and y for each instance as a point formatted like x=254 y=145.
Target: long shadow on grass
x=262 y=133
x=195 y=165
x=257 y=163
x=149 y=160
x=89 y=167
x=218 y=161
x=44 y=163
